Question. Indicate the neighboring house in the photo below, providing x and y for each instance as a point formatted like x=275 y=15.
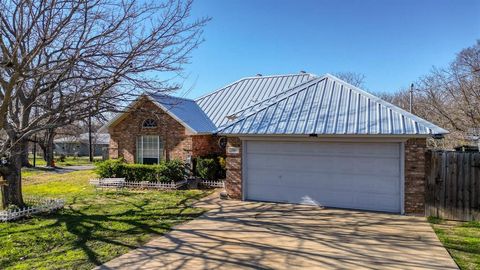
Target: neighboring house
x=292 y=138
x=79 y=145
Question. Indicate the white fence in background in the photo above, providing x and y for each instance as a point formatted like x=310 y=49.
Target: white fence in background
x=121 y=183
x=36 y=205
x=213 y=183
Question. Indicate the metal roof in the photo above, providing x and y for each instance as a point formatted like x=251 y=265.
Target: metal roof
x=327 y=106
x=186 y=111
x=245 y=92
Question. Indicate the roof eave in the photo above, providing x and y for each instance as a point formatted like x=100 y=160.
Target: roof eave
x=407 y=136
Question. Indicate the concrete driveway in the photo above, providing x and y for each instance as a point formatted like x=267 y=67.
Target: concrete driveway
x=250 y=235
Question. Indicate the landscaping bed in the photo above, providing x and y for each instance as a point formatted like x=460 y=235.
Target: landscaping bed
x=461 y=239
x=93 y=227
x=208 y=172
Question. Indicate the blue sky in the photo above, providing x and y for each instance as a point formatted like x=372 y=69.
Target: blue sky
x=391 y=42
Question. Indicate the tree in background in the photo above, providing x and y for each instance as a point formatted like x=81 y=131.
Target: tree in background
x=448 y=97
x=353 y=78
x=62 y=61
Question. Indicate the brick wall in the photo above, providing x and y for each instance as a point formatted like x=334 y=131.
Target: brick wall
x=203 y=145
x=177 y=143
x=233 y=182
x=415 y=176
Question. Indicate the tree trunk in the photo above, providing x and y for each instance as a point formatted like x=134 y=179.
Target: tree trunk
x=49 y=155
x=11 y=173
x=47 y=146
x=42 y=147
x=24 y=157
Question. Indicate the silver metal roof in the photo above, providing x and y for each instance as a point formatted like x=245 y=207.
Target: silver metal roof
x=186 y=111
x=327 y=106
x=245 y=92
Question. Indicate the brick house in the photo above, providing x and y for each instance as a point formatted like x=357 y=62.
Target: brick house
x=149 y=131
x=296 y=138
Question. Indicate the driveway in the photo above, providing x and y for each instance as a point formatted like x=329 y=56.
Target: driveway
x=251 y=235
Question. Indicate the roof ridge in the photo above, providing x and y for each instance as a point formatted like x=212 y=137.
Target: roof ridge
x=280 y=75
x=176 y=97
x=248 y=78
x=318 y=79
x=288 y=91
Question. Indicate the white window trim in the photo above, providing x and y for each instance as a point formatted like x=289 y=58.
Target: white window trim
x=140 y=150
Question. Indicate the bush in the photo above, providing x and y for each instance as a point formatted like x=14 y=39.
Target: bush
x=210 y=167
x=110 y=168
x=140 y=172
x=173 y=170
x=166 y=171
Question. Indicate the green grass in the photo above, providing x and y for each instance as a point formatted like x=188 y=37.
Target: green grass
x=94 y=227
x=69 y=161
x=462 y=240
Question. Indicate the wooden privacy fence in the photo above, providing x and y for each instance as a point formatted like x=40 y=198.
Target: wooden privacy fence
x=453 y=185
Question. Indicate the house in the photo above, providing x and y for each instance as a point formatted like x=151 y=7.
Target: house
x=296 y=138
x=79 y=145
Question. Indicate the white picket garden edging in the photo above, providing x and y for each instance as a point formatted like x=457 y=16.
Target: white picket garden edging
x=37 y=205
x=213 y=183
x=121 y=183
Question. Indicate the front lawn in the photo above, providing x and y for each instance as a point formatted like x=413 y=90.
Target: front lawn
x=461 y=239
x=94 y=227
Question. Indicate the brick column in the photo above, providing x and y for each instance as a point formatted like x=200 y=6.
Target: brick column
x=112 y=149
x=415 y=150
x=233 y=182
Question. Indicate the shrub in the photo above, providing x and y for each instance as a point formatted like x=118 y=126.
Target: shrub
x=140 y=172
x=210 y=167
x=173 y=170
x=110 y=168
x=166 y=171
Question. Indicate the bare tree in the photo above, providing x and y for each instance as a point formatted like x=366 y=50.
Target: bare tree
x=353 y=78
x=448 y=97
x=69 y=59
x=452 y=94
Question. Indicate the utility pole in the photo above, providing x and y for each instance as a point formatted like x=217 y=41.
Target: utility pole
x=90 y=150
x=411 y=97
x=35 y=143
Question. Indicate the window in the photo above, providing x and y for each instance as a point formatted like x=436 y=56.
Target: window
x=149 y=123
x=149 y=149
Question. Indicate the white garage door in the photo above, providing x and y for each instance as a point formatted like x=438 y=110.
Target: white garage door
x=345 y=175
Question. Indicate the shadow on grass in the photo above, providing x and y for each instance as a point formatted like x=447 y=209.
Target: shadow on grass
x=114 y=219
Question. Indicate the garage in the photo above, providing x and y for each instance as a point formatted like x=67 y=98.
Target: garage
x=328 y=143
x=356 y=175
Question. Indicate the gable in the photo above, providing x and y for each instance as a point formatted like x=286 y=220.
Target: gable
x=142 y=110
x=184 y=111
